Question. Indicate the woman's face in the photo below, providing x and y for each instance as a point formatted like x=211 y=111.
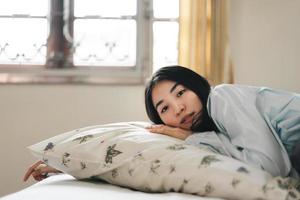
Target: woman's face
x=176 y=105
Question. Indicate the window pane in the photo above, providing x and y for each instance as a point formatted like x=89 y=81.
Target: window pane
x=31 y=7
x=21 y=45
x=111 y=8
x=166 y=8
x=165 y=47
x=105 y=42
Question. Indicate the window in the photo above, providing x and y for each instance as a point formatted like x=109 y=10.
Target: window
x=88 y=41
x=165 y=33
x=19 y=22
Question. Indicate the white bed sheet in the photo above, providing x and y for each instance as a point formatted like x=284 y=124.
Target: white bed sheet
x=68 y=188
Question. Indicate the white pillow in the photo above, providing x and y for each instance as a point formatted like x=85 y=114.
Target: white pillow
x=126 y=154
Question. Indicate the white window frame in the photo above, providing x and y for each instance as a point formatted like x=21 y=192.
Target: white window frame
x=91 y=75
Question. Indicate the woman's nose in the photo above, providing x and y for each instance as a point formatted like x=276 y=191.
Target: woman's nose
x=179 y=108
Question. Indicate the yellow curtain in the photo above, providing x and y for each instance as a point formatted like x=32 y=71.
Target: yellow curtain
x=203 y=41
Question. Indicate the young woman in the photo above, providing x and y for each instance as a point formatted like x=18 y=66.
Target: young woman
x=259 y=126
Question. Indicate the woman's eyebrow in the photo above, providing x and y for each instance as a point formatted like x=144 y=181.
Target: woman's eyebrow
x=174 y=87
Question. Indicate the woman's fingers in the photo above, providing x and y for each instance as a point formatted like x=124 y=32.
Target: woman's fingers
x=43 y=169
x=38 y=176
x=170 y=131
x=158 y=129
x=39 y=171
x=31 y=170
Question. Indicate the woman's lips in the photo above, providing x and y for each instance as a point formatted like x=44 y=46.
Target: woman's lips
x=188 y=118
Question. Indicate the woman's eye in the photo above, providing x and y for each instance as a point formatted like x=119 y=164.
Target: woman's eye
x=180 y=93
x=164 y=109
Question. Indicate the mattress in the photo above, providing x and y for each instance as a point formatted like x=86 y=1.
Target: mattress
x=64 y=186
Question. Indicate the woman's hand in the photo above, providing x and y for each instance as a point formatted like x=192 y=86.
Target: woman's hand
x=170 y=131
x=39 y=171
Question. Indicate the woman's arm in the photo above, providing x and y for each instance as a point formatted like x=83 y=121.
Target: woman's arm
x=233 y=108
x=221 y=144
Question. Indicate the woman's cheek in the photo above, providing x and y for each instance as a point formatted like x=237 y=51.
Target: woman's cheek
x=165 y=119
x=171 y=122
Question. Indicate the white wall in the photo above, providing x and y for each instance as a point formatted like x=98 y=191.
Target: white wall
x=31 y=113
x=265 y=42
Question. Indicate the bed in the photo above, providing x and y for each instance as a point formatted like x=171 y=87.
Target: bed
x=66 y=187
x=124 y=161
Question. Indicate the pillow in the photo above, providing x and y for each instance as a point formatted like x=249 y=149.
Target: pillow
x=126 y=154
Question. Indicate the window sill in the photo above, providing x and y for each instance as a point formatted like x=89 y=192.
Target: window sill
x=72 y=76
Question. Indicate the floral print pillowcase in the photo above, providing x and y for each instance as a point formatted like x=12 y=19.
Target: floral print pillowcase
x=126 y=154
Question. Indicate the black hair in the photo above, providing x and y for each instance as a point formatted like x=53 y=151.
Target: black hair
x=192 y=81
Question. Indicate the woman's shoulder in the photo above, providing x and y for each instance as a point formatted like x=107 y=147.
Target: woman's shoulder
x=233 y=93
x=226 y=86
x=234 y=88
x=223 y=86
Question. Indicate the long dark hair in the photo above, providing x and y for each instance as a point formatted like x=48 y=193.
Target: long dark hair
x=189 y=79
